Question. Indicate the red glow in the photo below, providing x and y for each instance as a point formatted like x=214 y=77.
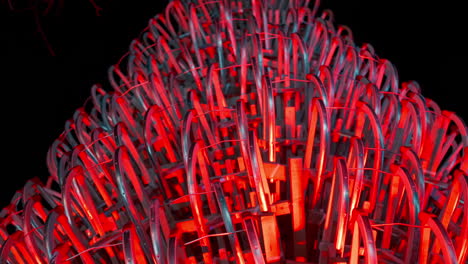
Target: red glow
x=249 y=132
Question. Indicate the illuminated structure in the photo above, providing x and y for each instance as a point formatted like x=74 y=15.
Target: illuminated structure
x=246 y=131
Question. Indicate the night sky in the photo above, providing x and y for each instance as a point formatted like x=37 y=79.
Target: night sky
x=40 y=91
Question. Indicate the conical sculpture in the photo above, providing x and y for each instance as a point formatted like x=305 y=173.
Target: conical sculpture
x=248 y=131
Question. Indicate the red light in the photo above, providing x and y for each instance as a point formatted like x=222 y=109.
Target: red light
x=249 y=132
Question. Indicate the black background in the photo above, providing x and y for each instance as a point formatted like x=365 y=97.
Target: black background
x=40 y=92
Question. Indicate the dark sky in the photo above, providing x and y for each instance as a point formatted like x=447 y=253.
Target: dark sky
x=40 y=91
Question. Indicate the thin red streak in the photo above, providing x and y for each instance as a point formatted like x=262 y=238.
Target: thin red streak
x=212 y=235
x=92 y=248
x=402 y=224
x=188 y=195
x=131 y=88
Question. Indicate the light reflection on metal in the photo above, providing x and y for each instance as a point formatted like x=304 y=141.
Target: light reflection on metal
x=246 y=131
